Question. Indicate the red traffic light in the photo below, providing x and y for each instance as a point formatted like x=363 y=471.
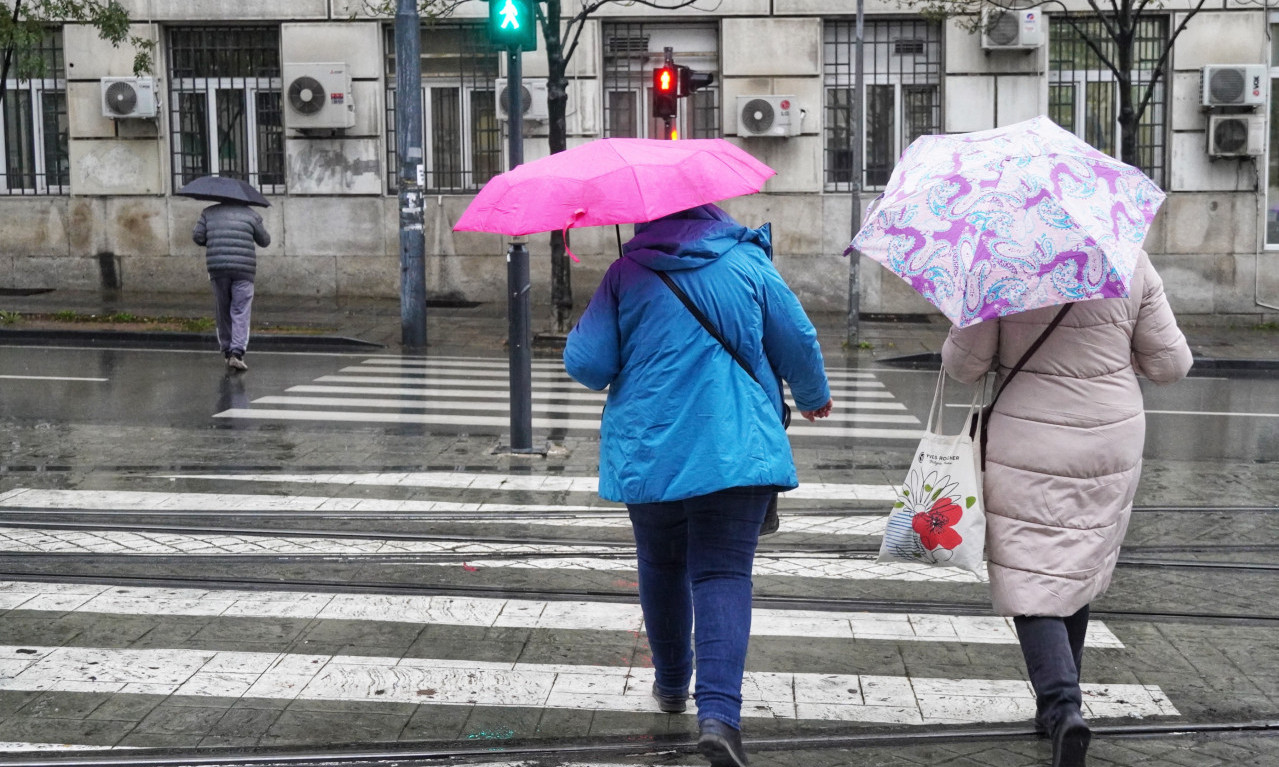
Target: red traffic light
x=665 y=91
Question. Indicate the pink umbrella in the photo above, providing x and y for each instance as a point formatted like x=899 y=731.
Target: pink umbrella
x=613 y=181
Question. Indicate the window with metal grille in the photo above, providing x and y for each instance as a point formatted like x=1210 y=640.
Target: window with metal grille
x=34 y=158
x=901 y=98
x=462 y=136
x=631 y=52
x=1083 y=96
x=224 y=105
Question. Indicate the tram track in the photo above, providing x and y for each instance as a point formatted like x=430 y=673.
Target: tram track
x=584 y=749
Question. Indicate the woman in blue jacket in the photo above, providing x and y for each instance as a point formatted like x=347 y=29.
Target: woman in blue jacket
x=692 y=444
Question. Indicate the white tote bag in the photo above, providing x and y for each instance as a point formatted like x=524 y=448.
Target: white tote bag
x=938 y=518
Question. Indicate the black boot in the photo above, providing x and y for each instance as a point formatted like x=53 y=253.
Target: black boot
x=721 y=744
x=1070 y=740
x=670 y=704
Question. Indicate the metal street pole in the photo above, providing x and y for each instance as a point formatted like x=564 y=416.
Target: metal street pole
x=855 y=137
x=519 y=318
x=408 y=144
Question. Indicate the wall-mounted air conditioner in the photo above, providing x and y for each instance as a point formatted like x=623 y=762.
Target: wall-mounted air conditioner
x=1234 y=85
x=768 y=116
x=317 y=96
x=1011 y=30
x=1237 y=135
x=128 y=97
x=532 y=99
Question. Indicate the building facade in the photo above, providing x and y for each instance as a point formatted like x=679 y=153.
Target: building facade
x=88 y=199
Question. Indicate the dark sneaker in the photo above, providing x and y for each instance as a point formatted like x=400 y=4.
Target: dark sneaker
x=236 y=362
x=670 y=704
x=1070 y=741
x=721 y=744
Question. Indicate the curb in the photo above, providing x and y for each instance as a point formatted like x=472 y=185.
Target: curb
x=175 y=339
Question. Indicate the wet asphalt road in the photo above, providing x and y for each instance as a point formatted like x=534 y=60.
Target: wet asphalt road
x=1192 y=603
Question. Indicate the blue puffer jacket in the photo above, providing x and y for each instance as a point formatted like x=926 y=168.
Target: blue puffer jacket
x=230 y=232
x=682 y=418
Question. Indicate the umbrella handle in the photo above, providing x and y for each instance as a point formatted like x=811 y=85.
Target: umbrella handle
x=564 y=232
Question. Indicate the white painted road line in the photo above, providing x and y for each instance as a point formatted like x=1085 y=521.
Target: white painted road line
x=139 y=500
x=766 y=695
x=828 y=491
x=498 y=613
x=52 y=378
x=469 y=554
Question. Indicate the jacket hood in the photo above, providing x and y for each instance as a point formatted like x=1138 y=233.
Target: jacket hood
x=692 y=238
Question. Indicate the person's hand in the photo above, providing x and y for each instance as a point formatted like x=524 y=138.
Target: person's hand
x=821 y=412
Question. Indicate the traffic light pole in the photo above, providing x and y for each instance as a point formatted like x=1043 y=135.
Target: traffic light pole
x=408 y=144
x=519 y=322
x=855 y=139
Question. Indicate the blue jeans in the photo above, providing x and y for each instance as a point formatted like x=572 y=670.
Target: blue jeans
x=1054 y=653
x=695 y=560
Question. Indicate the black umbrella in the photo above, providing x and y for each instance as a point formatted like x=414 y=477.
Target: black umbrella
x=222 y=189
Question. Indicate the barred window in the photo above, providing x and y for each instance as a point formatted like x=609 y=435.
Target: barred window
x=1083 y=96
x=901 y=98
x=462 y=137
x=34 y=156
x=631 y=52
x=224 y=105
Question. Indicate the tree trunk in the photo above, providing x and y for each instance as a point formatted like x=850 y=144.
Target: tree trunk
x=1129 y=119
x=556 y=104
x=8 y=54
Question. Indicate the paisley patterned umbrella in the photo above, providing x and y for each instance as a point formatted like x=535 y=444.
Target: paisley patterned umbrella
x=997 y=222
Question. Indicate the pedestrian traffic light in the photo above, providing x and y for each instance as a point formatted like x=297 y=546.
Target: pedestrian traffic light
x=690 y=80
x=665 y=91
x=513 y=23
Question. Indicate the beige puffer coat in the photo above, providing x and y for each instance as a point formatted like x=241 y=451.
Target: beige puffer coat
x=1065 y=441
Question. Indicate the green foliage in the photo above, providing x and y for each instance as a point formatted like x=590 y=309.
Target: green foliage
x=9 y=318
x=1267 y=326
x=24 y=24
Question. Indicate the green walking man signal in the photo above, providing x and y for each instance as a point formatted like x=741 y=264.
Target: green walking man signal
x=513 y=23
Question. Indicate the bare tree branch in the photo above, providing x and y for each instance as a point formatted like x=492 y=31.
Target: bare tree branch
x=1149 y=93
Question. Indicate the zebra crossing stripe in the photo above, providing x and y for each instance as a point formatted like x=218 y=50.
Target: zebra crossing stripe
x=498 y=613
x=442 y=512
x=460 y=480
x=575 y=395
x=543 y=422
x=440 y=681
x=476 y=555
x=543 y=409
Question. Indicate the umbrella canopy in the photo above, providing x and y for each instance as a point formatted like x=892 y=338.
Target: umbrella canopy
x=222 y=189
x=997 y=222
x=612 y=181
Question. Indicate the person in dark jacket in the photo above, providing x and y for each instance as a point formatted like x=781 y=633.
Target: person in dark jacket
x=230 y=233
x=693 y=444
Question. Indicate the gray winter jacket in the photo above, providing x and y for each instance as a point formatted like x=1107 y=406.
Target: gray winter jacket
x=229 y=232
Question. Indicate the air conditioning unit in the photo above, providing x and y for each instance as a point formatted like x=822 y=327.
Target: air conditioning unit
x=1234 y=85
x=1011 y=30
x=128 y=97
x=1237 y=135
x=317 y=96
x=768 y=116
x=532 y=100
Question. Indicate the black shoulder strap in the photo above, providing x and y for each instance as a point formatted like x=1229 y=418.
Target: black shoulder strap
x=990 y=408
x=706 y=323
x=714 y=331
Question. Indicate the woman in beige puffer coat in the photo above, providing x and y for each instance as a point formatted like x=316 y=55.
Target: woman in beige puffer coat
x=1062 y=463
